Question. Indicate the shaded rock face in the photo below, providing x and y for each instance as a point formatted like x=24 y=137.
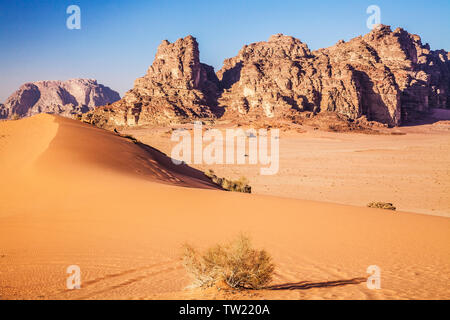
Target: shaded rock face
x=3 y=111
x=177 y=86
x=385 y=76
x=66 y=98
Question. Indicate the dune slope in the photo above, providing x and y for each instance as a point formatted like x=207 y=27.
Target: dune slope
x=72 y=194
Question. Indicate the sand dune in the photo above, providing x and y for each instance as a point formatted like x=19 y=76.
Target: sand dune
x=72 y=194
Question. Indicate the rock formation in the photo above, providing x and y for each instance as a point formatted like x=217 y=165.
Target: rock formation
x=66 y=98
x=385 y=76
x=3 y=111
x=177 y=86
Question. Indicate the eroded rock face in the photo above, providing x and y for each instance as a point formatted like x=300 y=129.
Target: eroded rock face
x=3 y=111
x=177 y=86
x=265 y=79
x=66 y=98
x=386 y=76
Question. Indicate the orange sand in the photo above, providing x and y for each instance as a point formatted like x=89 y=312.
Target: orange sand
x=407 y=166
x=72 y=194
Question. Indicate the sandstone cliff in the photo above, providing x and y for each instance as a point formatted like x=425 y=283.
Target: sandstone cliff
x=177 y=86
x=385 y=76
x=66 y=98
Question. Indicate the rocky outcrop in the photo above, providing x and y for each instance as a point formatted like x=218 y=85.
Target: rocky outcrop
x=177 y=86
x=385 y=76
x=66 y=98
x=3 y=111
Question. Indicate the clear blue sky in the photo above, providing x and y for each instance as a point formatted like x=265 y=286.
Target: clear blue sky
x=118 y=38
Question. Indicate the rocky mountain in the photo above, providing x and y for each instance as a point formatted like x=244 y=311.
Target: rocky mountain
x=66 y=98
x=177 y=86
x=385 y=76
x=2 y=111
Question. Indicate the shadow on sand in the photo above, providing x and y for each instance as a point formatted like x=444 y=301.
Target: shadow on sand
x=304 y=285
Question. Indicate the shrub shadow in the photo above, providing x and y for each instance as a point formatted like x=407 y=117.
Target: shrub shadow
x=304 y=285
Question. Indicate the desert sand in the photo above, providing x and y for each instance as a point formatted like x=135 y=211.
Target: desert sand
x=408 y=166
x=73 y=194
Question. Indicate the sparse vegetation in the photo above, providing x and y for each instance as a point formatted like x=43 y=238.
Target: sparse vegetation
x=382 y=205
x=126 y=136
x=398 y=133
x=240 y=185
x=130 y=137
x=236 y=263
x=15 y=116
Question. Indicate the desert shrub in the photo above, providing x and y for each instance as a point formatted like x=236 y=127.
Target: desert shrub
x=210 y=174
x=333 y=128
x=240 y=185
x=15 y=116
x=398 y=133
x=126 y=136
x=236 y=263
x=130 y=137
x=382 y=205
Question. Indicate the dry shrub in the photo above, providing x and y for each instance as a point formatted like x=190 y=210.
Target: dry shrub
x=382 y=205
x=240 y=185
x=236 y=263
x=130 y=137
x=126 y=136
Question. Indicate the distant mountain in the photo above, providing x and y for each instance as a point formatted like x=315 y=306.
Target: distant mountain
x=385 y=76
x=66 y=98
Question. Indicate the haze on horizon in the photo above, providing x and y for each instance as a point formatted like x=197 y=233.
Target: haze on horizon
x=118 y=39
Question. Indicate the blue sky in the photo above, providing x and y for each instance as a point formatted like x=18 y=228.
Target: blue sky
x=118 y=38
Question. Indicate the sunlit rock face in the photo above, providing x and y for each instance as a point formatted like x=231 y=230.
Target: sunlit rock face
x=385 y=76
x=177 y=87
